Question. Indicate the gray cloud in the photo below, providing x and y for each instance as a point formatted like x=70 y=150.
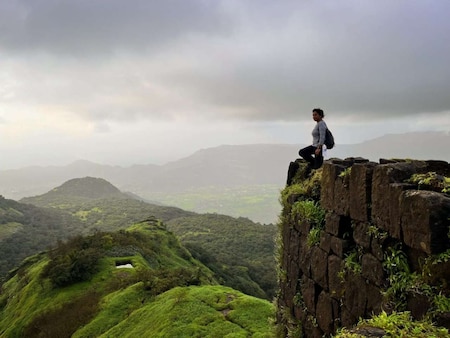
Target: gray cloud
x=88 y=28
x=383 y=59
x=253 y=60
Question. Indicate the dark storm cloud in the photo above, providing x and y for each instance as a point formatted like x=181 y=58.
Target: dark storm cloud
x=253 y=60
x=366 y=58
x=86 y=27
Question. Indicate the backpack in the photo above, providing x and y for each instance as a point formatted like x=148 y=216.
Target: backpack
x=329 y=139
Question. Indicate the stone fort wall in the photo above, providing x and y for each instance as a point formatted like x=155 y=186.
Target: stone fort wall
x=378 y=222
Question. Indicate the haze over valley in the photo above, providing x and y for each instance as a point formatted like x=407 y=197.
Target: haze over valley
x=240 y=181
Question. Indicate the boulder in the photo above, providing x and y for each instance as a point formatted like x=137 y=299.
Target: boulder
x=383 y=176
x=425 y=220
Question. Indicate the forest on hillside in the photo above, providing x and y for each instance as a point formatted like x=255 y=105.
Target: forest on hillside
x=240 y=251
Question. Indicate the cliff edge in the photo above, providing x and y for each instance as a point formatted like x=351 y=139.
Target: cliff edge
x=359 y=239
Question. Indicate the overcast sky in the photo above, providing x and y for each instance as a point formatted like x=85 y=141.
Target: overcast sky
x=139 y=81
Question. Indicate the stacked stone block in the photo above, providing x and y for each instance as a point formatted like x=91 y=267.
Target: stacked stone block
x=358 y=195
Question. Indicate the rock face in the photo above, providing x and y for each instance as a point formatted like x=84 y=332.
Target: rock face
x=374 y=214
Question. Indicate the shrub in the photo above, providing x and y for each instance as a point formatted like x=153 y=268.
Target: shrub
x=309 y=211
x=73 y=261
x=78 y=266
x=397 y=324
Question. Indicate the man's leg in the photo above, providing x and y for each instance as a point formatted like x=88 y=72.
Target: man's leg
x=306 y=153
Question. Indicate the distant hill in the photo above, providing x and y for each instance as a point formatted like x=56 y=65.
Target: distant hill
x=88 y=187
x=241 y=180
x=99 y=205
x=78 y=190
x=135 y=283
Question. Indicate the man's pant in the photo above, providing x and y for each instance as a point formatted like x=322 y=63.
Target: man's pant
x=307 y=152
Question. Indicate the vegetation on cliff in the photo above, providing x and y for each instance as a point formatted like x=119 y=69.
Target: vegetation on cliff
x=431 y=181
x=393 y=325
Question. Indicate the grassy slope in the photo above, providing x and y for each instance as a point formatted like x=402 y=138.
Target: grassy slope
x=194 y=311
x=116 y=300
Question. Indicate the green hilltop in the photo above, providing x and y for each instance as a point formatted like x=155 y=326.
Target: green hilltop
x=138 y=281
x=100 y=206
x=77 y=190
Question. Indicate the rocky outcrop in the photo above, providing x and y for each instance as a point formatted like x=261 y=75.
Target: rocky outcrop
x=378 y=223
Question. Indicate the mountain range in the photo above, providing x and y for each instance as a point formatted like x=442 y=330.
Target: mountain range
x=237 y=180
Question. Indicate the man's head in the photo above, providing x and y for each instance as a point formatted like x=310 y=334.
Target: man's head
x=319 y=112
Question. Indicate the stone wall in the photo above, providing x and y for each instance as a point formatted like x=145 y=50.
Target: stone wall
x=374 y=216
